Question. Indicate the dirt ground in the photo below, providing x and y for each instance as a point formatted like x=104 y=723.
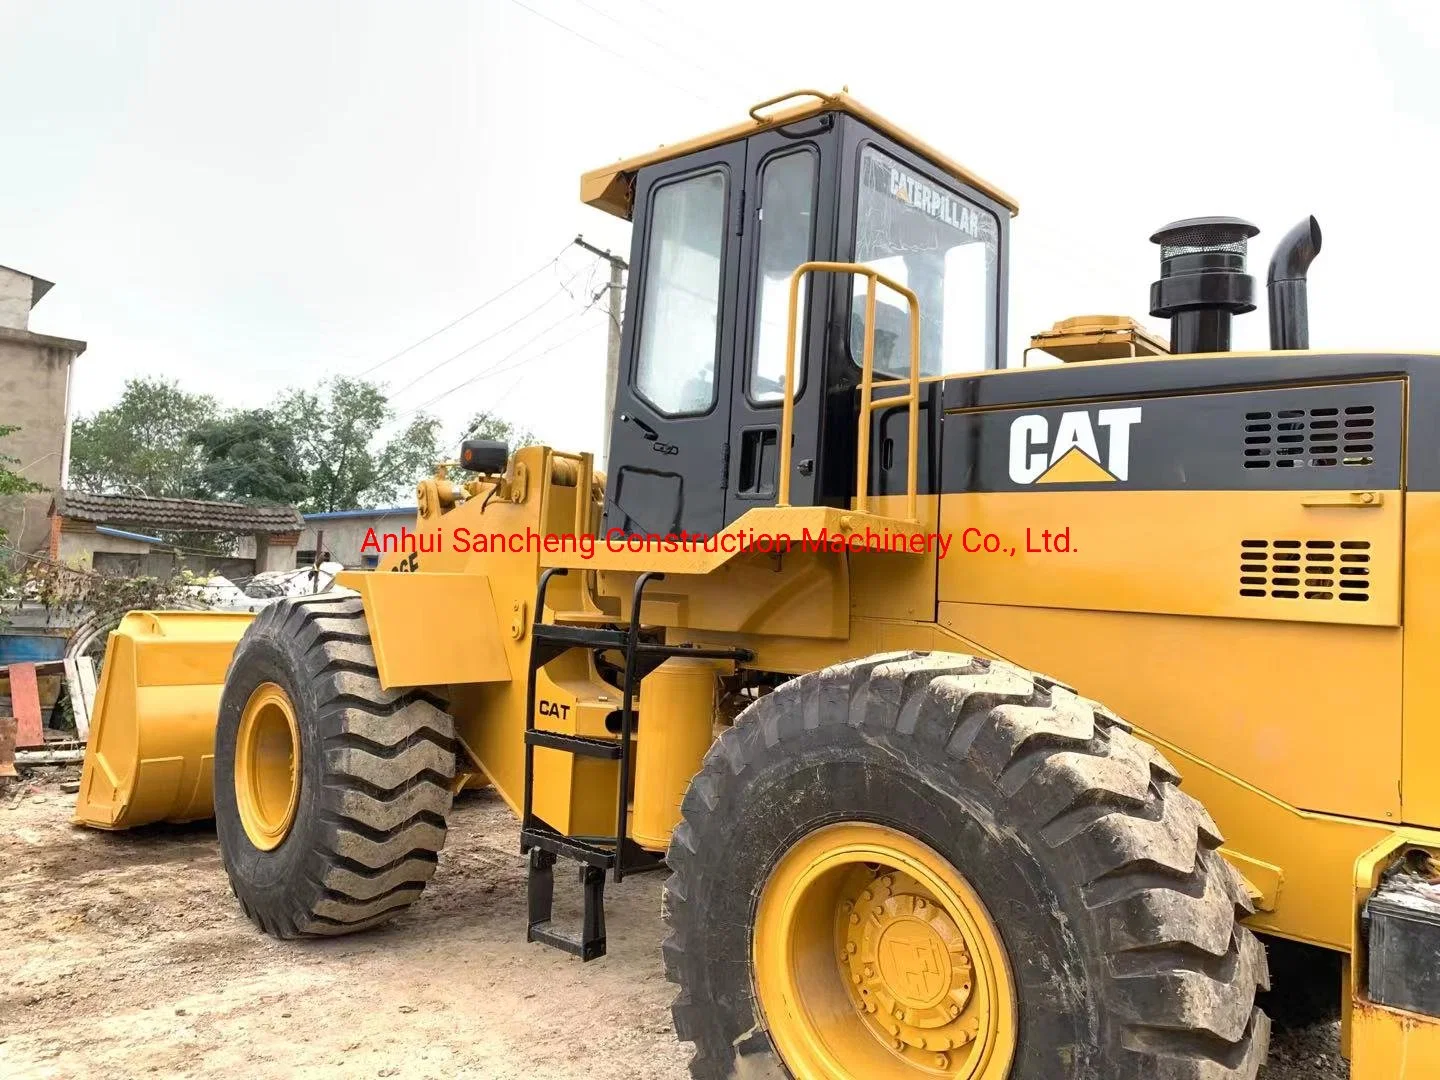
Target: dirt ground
x=125 y=955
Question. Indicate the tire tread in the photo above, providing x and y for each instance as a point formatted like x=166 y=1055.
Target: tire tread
x=389 y=763
x=1183 y=973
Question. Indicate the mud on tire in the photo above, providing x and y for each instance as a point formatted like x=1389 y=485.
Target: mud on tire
x=1118 y=915
x=376 y=768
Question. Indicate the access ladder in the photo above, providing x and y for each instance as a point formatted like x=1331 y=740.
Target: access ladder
x=541 y=842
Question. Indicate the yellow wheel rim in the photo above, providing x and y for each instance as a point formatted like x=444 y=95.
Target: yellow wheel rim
x=875 y=960
x=267 y=766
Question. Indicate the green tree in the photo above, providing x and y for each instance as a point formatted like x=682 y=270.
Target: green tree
x=250 y=456
x=487 y=425
x=141 y=445
x=11 y=482
x=334 y=430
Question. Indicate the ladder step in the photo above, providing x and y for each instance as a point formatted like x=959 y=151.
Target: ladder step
x=594 y=637
x=597 y=637
x=546 y=934
x=696 y=651
x=575 y=744
x=568 y=847
x=589 y=943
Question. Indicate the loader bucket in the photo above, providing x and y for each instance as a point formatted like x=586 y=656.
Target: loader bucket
x=151 y=752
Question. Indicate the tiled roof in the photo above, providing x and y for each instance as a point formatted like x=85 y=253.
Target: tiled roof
x=375 y=512
x=179 y=515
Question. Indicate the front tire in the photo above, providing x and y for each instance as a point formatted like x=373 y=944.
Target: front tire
x=1115 y=914
x=331 y=793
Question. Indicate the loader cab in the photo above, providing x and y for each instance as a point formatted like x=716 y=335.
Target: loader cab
x=720 y=225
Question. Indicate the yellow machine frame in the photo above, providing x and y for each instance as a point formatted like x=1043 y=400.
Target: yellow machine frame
x=1087 y=619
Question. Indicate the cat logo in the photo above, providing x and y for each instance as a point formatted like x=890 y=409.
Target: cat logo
x=1072 y=456
x=938 y=204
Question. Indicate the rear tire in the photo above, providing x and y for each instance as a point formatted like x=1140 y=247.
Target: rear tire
x=376 y=768
x=1117 y=916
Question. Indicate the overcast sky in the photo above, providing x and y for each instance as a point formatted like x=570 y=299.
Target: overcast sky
x=245 y=196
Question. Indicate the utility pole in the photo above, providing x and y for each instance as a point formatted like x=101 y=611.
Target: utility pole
x=614 y=304
x=315 y=567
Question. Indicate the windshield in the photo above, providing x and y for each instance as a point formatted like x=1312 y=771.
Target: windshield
x=941 y=246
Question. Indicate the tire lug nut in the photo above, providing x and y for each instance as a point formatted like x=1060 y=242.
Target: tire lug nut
x=954 y=1011
x=942 y=1061
x=851 y=948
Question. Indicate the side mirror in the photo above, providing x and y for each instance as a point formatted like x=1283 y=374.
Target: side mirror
x=484 y=455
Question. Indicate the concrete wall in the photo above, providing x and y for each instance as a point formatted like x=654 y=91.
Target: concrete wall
x=34 y=394
x=274 y=553
x=35 y=397
x=83 y=547
x=78 y=547
x=16 y=289
x=346 y=530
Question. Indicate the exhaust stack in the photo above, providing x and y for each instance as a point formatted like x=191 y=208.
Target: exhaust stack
x=1287 y=288
x=1203 y=283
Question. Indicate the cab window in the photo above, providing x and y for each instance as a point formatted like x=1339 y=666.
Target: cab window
x=941 y=246
x=787 y=221
x=679 y=322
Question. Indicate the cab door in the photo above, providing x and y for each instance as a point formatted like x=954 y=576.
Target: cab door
x=672 y=405
x=790 y=217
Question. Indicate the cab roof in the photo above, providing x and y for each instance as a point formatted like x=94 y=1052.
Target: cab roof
x=611 y=188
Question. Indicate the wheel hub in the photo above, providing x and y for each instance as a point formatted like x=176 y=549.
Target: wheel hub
x=911 y=975
x=874 y=959
x=267 y=766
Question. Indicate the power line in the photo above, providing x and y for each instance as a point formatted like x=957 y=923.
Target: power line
x=701 y=32
x=619 y=56
x=631 y=28
x=492 y=368
x=730 y=45
x=500 y=367
x=510 y=389
x=473 y=311
x=489 y=337
x=528 y=360
x=496 y=370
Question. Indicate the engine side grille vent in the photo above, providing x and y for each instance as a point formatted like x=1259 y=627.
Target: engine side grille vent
x=1336 y=570
x=1316 y=438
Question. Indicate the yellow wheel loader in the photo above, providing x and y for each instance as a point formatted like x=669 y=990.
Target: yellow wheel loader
x=829 y=643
